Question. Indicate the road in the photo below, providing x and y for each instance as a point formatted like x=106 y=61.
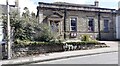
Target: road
x=105 y=58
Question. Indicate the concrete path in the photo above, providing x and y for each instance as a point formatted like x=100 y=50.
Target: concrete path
x=59 y=55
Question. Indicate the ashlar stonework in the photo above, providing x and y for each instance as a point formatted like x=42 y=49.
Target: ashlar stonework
x=70 y=21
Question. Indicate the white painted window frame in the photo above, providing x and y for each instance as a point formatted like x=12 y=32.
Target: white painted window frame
x=108 y=24
x=76 y=23
x=91 y=17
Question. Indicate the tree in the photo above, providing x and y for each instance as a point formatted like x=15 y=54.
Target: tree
x=17 y=26
x=26 y=13
x=27 y=27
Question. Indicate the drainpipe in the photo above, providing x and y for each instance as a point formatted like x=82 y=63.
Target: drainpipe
x=65 y=23
x=99 y=32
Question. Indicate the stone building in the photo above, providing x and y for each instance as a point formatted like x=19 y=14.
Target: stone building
x=118 y=23
x=71 y=21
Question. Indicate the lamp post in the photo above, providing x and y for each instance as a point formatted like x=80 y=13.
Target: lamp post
x=8 y=31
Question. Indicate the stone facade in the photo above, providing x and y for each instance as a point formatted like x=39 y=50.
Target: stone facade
x=118 y=22
x=118 y=25
x=89 y=19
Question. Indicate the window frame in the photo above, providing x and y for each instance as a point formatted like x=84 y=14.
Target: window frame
x=104 y=27
x=93 y=23
x=75 y=17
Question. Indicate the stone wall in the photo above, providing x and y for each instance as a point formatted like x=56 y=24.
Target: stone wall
x=35 y=49
x=22 y=51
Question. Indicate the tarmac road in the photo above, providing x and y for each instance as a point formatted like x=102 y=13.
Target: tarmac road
x=105 y=58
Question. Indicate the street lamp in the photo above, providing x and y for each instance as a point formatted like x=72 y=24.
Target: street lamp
x=8 y=31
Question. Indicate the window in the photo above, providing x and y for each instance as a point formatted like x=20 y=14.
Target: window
x=91 y=24
x=73 y=26
x=106 y=28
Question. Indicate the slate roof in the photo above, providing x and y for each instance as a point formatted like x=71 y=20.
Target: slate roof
x=73 y=4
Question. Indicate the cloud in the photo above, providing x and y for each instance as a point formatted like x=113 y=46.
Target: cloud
x=27 y=3
x=109 y=0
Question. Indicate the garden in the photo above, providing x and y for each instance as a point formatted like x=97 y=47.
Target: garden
x=30 y=48
x=32 y=38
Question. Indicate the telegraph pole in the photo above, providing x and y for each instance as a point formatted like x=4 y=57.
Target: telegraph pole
x=8 y=31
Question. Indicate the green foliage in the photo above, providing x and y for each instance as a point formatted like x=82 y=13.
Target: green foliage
x=44 y=34
x=27 y=43
x=24 y=43
x=83 y=42
x=27 y=29
x=85 y=37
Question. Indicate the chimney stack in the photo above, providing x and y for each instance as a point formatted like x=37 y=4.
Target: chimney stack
x=119 y=5
x=96 y=3
x=17 y=3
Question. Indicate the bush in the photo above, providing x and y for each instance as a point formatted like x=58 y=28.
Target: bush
x=83 y=42
x=43 y=34
x=85 y=37
x=20 y=43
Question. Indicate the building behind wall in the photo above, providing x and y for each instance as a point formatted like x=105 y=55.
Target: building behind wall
x=3 y=12
x=71 y=21
x=118 y=22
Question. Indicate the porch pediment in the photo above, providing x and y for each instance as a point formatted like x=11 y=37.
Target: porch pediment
x=55 y=15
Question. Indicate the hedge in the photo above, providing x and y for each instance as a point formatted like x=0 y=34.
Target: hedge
x=84 y=42
x=34 y=43
x=19 y=43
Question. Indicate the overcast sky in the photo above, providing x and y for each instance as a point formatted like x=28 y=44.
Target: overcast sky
x=32 y=4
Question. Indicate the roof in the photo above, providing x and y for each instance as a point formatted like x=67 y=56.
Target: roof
x=73 y=5
x=118 y=11
x=3 y=8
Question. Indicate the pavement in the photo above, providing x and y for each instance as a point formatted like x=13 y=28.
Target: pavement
x=60 y=55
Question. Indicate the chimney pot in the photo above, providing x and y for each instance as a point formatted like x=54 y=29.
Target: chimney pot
x=96 y=3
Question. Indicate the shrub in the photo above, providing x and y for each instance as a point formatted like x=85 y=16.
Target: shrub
x=43 y=34
x=18 y=43
x=83 y=42
x=85 y=37
x=21 y=43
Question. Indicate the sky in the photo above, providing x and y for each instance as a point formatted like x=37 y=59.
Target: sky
x=32 y=4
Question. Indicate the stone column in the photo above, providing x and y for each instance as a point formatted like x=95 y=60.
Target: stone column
x=40 y=16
